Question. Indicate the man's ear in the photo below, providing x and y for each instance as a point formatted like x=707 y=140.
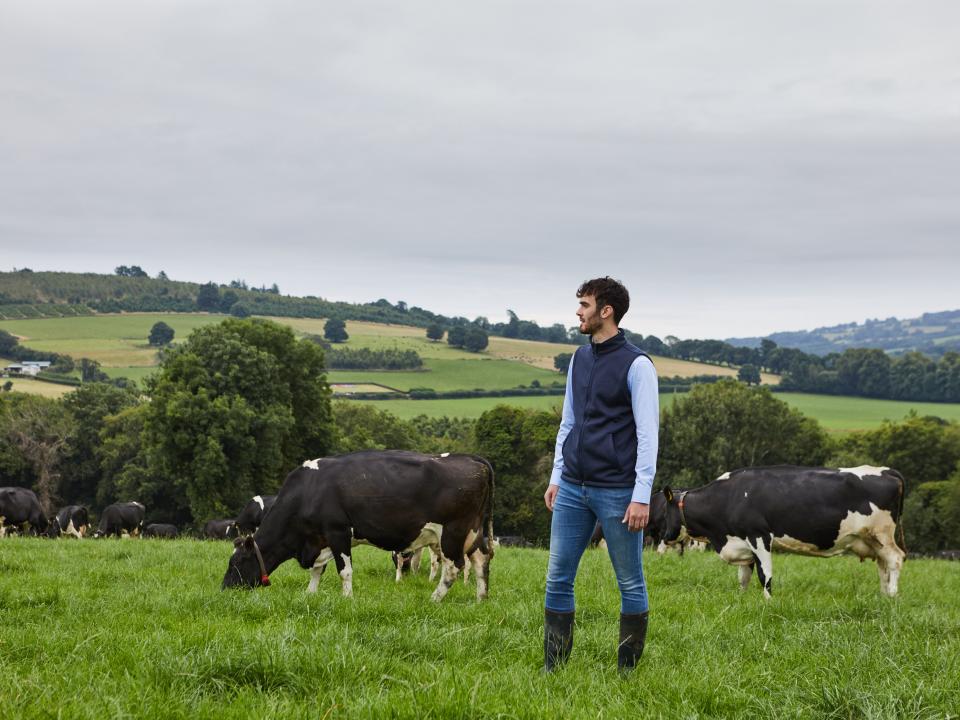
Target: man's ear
x=606 y=311
x=668 y=494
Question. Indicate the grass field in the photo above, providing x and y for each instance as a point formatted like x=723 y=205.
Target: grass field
x=448 y=374
x=38 y=387
x=139 y=628
x=846 y=414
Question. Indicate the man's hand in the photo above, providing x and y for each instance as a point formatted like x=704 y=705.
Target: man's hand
x=636 y=516
x=550 y=496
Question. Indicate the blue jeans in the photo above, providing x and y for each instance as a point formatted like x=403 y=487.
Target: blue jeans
x=575 y=513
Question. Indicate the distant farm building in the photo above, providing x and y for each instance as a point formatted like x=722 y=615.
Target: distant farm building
x=29 y=368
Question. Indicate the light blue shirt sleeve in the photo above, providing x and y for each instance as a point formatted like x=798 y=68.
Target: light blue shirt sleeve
x=645 y=398
x=566 y=425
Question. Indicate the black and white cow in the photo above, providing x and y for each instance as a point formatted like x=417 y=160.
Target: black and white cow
x=746 y=514
x=253 y=513
x=381 y=498
x=121 y=519
x=220 y=529
x=161 y=530
x=20 y=511
x=70 y=520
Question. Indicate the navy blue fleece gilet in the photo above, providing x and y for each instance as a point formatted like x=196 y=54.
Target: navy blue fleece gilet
x=601 y=449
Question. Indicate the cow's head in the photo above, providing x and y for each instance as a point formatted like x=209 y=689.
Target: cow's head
x=664 y=523
x=244 y=568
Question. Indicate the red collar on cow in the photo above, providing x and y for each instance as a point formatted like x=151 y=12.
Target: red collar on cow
x=264 y=578
x=683 y=520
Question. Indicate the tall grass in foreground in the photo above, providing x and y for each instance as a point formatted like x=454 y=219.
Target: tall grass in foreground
x=137 y=628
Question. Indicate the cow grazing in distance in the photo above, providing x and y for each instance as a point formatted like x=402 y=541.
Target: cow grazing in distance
x=409 y=559
x=253 y=513
x=746 y=514
x=220 y=529
x=513 y=541
x=381 y=498
x=121 y=519
x=70 y=520
x=161 y=530
x=20 y=511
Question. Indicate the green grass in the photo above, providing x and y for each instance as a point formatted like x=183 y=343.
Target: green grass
x=443 y=375
x=134 y=628
x=846 y=414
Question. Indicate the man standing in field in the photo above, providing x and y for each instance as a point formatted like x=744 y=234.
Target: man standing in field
x=603 y=470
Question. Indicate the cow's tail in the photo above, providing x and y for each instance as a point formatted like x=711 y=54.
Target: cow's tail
x=488 y=510
x=902 y=491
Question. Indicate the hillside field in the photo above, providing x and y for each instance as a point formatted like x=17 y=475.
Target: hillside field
x=140 y=628
x=119 y=343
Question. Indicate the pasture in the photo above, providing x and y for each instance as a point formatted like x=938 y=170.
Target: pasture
x=139 y=628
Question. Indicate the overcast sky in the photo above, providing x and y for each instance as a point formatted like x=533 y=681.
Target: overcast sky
x=743 y=167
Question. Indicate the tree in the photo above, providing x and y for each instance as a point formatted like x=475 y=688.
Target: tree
x=8 y=386
x=456 y=336
x=228 y=300
x=160 y=334
x=233 y=410
x=562 y=362
x=208 y=297
x=90 y=405
x=475 y=339
x=749 y=374
x=435 y=331
x=335 y=330
x=162 y=276
x=90 y=371
x=240 y=310
x=727 y=425
x=364 y=427
x=512 y=328
x=41 y=430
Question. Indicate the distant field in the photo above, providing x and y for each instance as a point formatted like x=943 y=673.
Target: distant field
x=347 y=388
x=846 y=414
x=488 y=374
x=38 y=387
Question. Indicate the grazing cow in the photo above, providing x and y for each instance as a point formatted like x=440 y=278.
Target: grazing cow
x=161 y=530
x=20 y=510
x=253 y=513
x=748 y=513
x=220 y=529
x=381 y=498
x=121 y=519
x=70 y=520
x=513 y=541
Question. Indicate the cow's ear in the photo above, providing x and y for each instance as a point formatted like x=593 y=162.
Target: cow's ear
x=668 y=494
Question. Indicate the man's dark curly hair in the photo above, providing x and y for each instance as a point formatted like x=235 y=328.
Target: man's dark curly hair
x=607 y=291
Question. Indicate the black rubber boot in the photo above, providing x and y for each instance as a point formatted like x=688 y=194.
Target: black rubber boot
x=633 y=635
x=557 y=638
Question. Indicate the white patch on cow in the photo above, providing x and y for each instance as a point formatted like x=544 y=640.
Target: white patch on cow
x=736 y=551
x=745 y=494
x=480 y=564
x=312 y=464
x=140 y=505
x=447 y=578
x=347 y=575
x=662 y=547
x=725 y=476
x=766 y=565
x=258 y=500
x=744 y=572
x=435 y=557
x=71 y=530
x=862 y=471
x=319 y=565
x=444 y=454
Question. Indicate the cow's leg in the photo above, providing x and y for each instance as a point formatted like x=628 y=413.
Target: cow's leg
x=319 y=565
x=434 y=560
x=745 y=571
x=415 y=560
x=889 y=562
x=466 y=569
x=448 y=576
x=481 y=567
x=456 y=539
x=761 y=551
x=339 y=543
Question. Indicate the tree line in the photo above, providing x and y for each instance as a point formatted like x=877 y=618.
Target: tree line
x=238 y=405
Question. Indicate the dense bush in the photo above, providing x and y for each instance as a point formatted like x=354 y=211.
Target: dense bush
x=367 y=359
